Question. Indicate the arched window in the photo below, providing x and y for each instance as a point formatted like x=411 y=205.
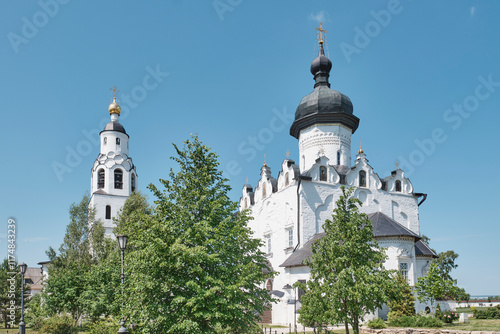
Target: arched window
x=108 y=211
x=118 y=179
x=398 y=186
x=117 y=141
x=362 y=178
x=105 y=140
x=132 y=185
x=100 y=179
x=263 y=190
x=338 y=157
x=286 y=179
x=322 y=173
x=269 y=285
x=246 y=203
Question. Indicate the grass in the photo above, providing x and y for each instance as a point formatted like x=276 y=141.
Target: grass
x=468 y=309
x=476 y=325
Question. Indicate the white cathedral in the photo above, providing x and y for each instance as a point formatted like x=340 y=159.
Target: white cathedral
x=289 y=211
x=113 y=176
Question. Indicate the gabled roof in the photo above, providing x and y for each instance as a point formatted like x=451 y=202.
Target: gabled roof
x=383 y=226
x=422 y=249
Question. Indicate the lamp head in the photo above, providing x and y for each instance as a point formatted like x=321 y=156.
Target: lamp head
x=22 y=268
x=122 y=241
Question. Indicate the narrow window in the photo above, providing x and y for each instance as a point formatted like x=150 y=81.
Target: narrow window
x=108 y=212
x=117 y=141
x=398 y=185
x=246 y=203
x=100 y=179
x=362 y=178
x=286 y=179
x=263 y=190
x=269 y=285
x=290 y=238
x=105 y=140
x=300 y=292
x=338 y=157
x=132 y=182
x=322 y=173
x=118 y=179
x=269 y=248
x=403 y=269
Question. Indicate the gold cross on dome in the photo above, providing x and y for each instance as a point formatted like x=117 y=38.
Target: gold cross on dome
x=396 y=164
x=321 y=31
x=114 y=91
x=287 y=153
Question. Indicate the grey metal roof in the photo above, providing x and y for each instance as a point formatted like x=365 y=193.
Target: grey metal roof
x=383 y=226
x=341 y=169
x=422 y=249
x=114 y=126
x=323 y=105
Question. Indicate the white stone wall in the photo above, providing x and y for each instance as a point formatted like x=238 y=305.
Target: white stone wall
x=327 y=140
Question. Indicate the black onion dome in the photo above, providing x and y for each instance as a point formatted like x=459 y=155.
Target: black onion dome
x=323 y=105
x=114 y=126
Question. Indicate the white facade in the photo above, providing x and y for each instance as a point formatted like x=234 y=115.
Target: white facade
x=289 y=211
x=113 y=175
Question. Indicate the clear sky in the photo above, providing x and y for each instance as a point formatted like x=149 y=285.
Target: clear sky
x=423 y=76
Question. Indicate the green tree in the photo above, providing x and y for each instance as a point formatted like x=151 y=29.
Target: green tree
x=193 y=266
x=446 y=263
x=401 y=300
x=348 y=279
x=432 y=286
x=82 y=248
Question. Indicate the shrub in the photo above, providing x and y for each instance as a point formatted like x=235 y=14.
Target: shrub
x=438 y=314
x=449 y=316
x=376 y=323
x=57 y=325
x=103 y=326
x=416 y=321
x=489 y=313
x=393 y=315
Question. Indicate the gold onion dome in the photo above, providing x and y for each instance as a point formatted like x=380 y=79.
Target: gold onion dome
x=114 y=108
x=360 y=150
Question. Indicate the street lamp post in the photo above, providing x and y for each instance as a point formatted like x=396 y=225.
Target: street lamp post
x=22 y=326
x=122 y=244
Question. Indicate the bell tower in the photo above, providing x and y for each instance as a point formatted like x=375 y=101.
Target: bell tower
x=113 y=176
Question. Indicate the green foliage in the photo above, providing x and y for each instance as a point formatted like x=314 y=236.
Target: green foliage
x=103 y=326
x=489 y=313
x=401 y=300
x=438 y=314
x=446 y=263
x=376 y=324
x=76 y=282
x=416 y=321
x=348 y=279
x=432 y=286
x=57 y=325
x=192 y=265
x=34 y=314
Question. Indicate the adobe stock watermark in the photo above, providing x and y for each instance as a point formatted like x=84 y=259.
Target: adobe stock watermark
x=248 y=148
x=74 y=155
x=12 y=272
x=364 y=36
x=31 y=26
x=223 y=6
x=454 y=118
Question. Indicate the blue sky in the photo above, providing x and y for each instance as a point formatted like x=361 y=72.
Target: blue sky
x=423 y=78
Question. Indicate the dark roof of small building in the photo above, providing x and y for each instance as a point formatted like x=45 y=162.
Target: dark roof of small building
x=297 y=258
x=341 y=169
x=383 y=226
x=114 y=126
x=422 y=249
x=35 y=275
